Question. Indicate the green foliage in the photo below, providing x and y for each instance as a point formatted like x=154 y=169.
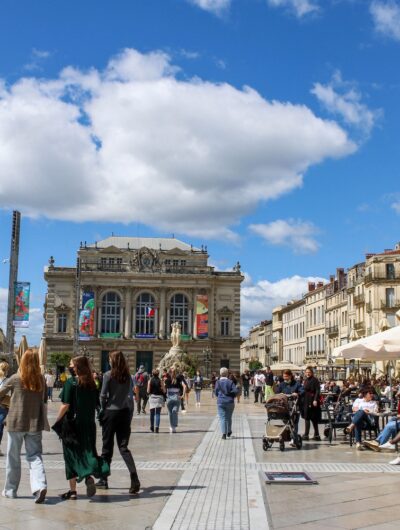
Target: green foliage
x=255 y=365
x=59 y=359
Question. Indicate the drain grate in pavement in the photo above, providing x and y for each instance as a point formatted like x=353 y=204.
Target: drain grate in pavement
x=331 y=467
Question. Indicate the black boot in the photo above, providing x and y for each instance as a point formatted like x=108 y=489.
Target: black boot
x=135 y=484
x=157 y=429
x=102 y=484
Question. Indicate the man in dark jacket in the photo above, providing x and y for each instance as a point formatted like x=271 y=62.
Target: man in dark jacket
x=140 y=383
x=246 y=377
x=293 y=388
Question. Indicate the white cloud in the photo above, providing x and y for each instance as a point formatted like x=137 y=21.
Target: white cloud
x=36 y=59
x=296 y=234
x=259 y=299
x=386 y=17
x=299 y=7
x=345 y=100
x=214 y=6
x=34 y=332
x=137 y=143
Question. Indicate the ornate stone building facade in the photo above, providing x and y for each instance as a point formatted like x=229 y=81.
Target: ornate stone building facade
x=126 y=292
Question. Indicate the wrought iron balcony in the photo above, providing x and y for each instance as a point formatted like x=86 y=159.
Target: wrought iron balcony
x=381 y=276
x=359 y=325
x=388 y=305
x=359 y=299
x=332 y=330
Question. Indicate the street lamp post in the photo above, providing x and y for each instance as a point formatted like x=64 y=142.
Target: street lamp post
x=207 y=359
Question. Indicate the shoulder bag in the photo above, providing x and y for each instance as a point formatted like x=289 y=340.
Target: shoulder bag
x=66 y=428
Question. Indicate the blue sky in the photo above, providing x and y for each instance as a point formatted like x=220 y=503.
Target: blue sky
x=266 y=129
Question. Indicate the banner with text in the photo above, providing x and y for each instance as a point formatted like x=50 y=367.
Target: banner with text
x=21 y=304
x=202 y=316
x=86 y=316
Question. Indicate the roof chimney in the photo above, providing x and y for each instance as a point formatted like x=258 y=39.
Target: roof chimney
x=311 y=286
x=321 y=284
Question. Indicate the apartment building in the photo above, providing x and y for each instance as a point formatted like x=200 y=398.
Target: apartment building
x=336 y=312
x=294 y=332
x=315 y=322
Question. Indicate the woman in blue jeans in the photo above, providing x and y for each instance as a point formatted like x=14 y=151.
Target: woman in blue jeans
x=226 y=391
x=176 y=387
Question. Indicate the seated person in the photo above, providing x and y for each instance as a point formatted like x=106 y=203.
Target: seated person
x=364 y=408
x=395 y=440
x=384 y=439
x=334 y=391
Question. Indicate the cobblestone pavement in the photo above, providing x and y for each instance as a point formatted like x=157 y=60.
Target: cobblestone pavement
x=193 y=479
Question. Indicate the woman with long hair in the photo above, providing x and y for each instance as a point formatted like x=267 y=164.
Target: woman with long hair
x=79 y=399
x=311 y=407
x=176 y=387
x=116 y=400
x=25 y=423
x=5 y=402
x=156 y=392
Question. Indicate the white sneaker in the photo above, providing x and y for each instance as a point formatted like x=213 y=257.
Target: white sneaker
x=395 y=462
x=388 y=445
x=184 y=411
x=292 y=444
x=359 y=447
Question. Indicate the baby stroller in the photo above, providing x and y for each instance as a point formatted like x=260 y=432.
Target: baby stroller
x=282 y=416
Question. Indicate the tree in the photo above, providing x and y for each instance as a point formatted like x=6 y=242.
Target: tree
x=59 y=359
x=255 y=365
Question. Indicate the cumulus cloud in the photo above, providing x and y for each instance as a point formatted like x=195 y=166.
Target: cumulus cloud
x=214 y=6
x=138 y=143
x=386 y=17
x=296 y=234
x=36 y=59
x=259 y=299
x=343 y=98
x=35 y=330
x=299 y=7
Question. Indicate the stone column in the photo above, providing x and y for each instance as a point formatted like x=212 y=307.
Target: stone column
x=190 y=320
x=128 y=314
x=161 y=315
x=98 y=327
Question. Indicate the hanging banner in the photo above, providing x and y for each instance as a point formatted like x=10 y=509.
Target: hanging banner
x=202 y=316
x=86 y=316
x=21 y=304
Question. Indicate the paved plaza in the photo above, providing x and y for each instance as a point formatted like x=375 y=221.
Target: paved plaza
x=195 y=480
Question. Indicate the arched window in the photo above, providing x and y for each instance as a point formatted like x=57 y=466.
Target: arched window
x=145 y=315
x=111 y=313
x=179 y=312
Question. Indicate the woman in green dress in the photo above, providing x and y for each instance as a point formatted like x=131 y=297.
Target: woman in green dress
x=79 y=399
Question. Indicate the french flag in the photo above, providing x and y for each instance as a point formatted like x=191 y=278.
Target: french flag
x=150 y=311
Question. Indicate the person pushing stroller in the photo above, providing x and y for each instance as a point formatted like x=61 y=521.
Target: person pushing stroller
x=293 y=388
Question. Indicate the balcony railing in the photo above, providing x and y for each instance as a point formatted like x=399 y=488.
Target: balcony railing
x=390 y=304
x=359 y=325
x=380 y=276
x=368 y=307
x=332 y=330
x=359 y=299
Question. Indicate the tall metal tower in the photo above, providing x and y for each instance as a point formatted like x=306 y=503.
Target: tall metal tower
x=14 y=255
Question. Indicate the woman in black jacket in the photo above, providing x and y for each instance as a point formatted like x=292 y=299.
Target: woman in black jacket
x=311 y=407
x=116 y=400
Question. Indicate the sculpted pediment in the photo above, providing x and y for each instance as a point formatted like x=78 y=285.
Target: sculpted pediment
x=111 y=250
x=225 y=310
x=175 y=252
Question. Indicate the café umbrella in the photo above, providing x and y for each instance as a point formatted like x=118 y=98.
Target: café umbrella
x=23 y=346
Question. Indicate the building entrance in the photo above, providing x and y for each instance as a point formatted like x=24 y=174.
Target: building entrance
x=145 y=358
x=224 y=363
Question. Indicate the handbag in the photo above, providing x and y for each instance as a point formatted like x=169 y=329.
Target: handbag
x=66 y=428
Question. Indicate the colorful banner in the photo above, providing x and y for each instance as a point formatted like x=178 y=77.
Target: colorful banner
x=86 y=316
x=202 y=316
x=21 y=304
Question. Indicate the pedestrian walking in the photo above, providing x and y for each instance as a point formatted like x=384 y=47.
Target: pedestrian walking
x=156 y=392
x=141 y=379
x=198 y=387
x=259 y=382
x=238 y=382
x=5 y=401
x=79 y=398
x=213 y=383
x=25 y=423
x=188 y=384
x=310 y=406
x=116 y=402
x=226 y=391
x=246 y=377
x=175 y=386
x=50 y=380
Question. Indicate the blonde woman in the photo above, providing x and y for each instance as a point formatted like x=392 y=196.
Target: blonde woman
x=4 y=403
x=25 y=423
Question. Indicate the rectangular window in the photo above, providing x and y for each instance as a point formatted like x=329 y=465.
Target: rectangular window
x=62 y=323
x=175 y=262
x=390 y=297
x=390 y=274
x=225 y=326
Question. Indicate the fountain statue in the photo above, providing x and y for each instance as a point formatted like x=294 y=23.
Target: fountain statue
x=176 y=356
